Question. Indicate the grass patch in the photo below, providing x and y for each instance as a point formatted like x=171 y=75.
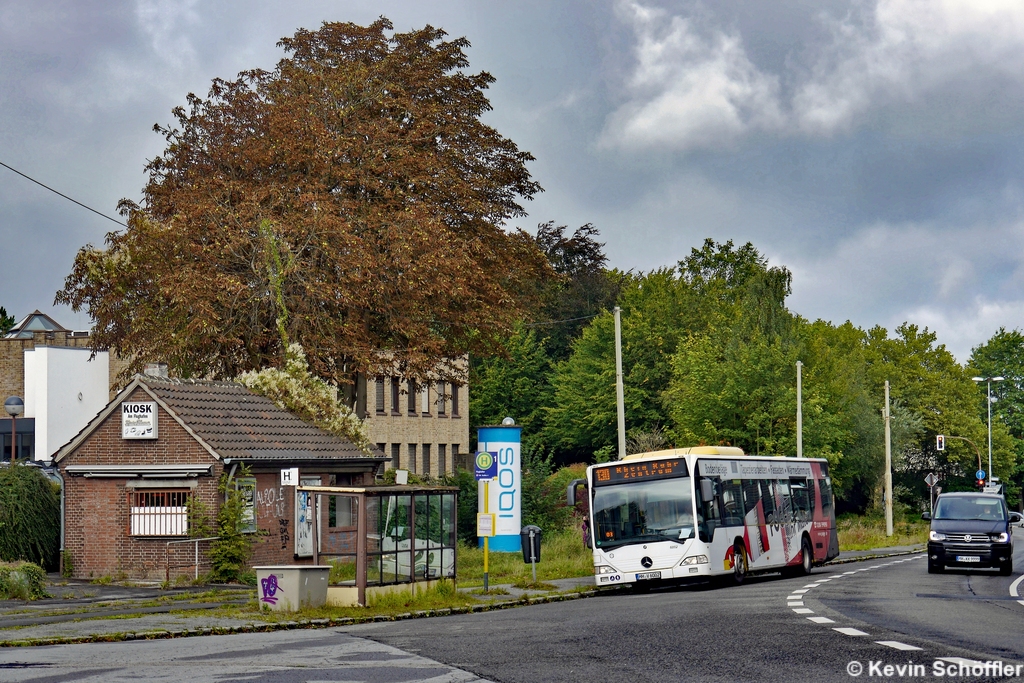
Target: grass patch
x=562 y=553
x=866 y=533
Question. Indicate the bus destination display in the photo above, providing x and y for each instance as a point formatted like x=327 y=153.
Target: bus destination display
x=651 y=469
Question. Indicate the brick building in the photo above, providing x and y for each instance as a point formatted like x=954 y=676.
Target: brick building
x=129 y=474
x=422 y=427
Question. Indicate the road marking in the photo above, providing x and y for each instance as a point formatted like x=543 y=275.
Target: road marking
x=897 y=645
x=803 y=610
x=847 y=631
x=799 y=592
x=848 y=573
x=821 y=620
x=822 y=580
x=1013 y=588
x=794 y=604
x=811 y=585
x=961 y=660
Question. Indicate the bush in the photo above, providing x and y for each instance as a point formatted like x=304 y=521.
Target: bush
x=29 y=516
x=22 y=581
x=467 y=503
x=229 y=554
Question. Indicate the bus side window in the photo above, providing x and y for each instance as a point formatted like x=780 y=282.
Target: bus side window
x=751 y=495
x=732 y=503
x=785 y=511
x=803 y=503
x=825 y=487
x=708 y=517
x=768 y=501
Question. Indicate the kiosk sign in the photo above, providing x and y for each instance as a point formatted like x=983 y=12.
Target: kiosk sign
x=138 y=420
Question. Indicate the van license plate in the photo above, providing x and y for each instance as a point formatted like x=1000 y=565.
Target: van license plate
x=648 y=575
x=967 y=558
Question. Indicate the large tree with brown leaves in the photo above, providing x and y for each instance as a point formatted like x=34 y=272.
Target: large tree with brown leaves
x=351 y=200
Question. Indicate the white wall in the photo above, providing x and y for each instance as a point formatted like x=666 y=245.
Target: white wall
x=63 y=391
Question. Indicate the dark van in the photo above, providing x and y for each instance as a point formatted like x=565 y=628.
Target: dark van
x=971 y=530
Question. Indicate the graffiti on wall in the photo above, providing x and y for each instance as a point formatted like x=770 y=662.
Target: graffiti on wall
x=272 y=501
x=283 y=532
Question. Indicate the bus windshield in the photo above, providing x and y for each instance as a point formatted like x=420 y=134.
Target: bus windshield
x=659 y=510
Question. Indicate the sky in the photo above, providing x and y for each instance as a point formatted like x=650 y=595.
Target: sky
x=872 y=147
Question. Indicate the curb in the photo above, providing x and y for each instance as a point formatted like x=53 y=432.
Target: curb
x=877 y=556
x=290 y=625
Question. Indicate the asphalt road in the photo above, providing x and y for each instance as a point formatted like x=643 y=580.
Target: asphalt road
x=876 y=613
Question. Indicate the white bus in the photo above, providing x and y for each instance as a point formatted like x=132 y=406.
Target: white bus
x=694 y=513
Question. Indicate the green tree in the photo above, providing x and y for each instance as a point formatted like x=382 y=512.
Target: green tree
x=514 y=385
x=1003 y=355
x=7 y=322
x=583 y=289
x=361 y=170
x=29 y=516
x=929 y=383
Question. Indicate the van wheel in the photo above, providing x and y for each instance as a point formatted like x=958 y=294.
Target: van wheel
x=739 y=563
x=1007 y=568
x=934 y=567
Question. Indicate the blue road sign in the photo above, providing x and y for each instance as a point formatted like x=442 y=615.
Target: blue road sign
x=485 y=465
x=980 y=474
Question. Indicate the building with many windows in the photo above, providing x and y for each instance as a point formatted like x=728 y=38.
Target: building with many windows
x=422 y=427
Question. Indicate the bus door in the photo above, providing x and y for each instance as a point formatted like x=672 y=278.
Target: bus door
x=709 y=516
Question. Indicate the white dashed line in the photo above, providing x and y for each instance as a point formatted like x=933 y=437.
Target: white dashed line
x=794 y=604
x=811 y=585
x=803 y=610
x=1014 y=586
x=961 y=660
x=897 y=645
x=846 y=631
x=799 y=592
x=821 y=620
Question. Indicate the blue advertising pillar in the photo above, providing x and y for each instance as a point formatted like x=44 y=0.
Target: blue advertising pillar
x=505 y=490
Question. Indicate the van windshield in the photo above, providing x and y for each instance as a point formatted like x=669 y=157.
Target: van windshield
x=971 y=508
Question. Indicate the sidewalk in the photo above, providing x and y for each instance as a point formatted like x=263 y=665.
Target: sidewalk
x=82 y=612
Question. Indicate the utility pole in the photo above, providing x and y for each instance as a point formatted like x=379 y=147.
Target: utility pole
x=799 y=412
x=888 y=465
x=620 y=400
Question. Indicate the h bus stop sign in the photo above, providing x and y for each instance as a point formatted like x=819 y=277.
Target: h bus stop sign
x=485 y=465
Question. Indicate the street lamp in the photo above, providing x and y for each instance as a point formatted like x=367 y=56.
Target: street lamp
x=14 y=407
x=988 y=381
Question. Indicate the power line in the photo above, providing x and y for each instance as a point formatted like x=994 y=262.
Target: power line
x=558 y=322
x=98 y=213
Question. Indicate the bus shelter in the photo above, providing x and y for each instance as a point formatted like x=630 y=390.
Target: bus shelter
x=380 y=539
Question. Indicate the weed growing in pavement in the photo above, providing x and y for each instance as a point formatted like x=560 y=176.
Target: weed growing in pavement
x=528 y=585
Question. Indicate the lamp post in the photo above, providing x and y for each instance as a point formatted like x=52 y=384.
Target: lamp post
x=988 y=382
x=14 y=407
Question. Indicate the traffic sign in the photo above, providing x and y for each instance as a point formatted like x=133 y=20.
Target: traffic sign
x=980 y=474
x=931 y=479
x=485 y=465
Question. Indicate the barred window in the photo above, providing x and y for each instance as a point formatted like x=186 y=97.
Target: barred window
x=158 y=512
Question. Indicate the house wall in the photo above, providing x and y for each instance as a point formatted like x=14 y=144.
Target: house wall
x=96 y=509
x=62 y=386
x=65 y=387
x=276 y=512
x=425 y=426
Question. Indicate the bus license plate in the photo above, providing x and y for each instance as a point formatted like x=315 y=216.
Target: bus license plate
x=967 y=558
x=648 y=575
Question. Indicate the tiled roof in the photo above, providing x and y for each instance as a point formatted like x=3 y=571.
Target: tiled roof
x=237 y=423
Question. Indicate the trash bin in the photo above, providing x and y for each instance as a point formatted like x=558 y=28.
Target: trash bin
x=524 y=538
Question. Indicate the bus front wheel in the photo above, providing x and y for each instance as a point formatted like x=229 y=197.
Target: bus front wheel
x=739 y=562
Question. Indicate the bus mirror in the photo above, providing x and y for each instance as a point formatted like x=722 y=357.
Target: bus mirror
x=707 y=489
x=571 y=492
